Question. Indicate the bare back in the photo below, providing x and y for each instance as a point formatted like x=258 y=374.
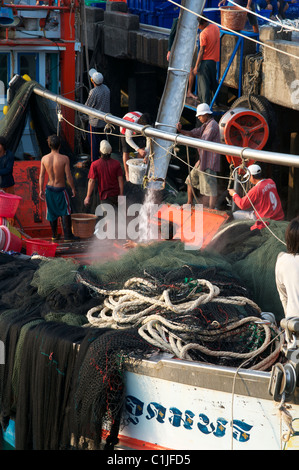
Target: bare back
x=57 y=167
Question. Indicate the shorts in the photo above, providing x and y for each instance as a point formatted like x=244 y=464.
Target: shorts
x=58 y=203
x=205 y=181
x=139 y=140
x=252 y=18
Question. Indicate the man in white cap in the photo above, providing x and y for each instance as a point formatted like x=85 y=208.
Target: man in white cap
x=98 y=98
x=204 y=174
x=261 y=202
x=108 y=175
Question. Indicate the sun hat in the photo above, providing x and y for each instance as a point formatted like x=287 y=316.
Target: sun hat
x=97 y=77
x=202 y=109
x=105 y=147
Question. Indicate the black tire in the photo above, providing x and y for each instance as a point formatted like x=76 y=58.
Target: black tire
x=261 y=105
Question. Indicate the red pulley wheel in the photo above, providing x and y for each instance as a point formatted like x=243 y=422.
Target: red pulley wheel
x=243 y=127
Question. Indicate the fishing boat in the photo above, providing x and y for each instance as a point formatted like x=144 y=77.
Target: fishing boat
x=145 y=384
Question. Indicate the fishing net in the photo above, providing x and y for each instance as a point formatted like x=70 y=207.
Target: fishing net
x=43 y=117
x=69 y=329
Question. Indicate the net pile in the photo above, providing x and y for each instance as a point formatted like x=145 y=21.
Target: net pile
x=69 y=329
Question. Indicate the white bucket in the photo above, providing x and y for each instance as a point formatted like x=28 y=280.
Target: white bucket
x=137 y=170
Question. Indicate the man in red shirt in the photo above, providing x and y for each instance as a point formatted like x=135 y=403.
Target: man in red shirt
x=108 y=174
x=262 y=199
x=208 y=56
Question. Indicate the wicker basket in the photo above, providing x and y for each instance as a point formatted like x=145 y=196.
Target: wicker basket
x=83 y=225
x=233 y=18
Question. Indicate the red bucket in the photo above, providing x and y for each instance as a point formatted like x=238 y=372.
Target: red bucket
x=12 y=242
x=8 y=204
x=40 y=247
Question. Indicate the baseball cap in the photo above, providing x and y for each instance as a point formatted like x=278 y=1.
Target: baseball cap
x=254 y=169
x=202 y=109
x=96 y=76
x=105 y=147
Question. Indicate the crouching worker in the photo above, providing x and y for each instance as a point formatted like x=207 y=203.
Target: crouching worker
x=57 y=166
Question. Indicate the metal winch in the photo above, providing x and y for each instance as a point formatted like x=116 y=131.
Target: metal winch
x=284 y=377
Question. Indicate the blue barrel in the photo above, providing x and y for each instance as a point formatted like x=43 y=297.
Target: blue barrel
x=6 y=16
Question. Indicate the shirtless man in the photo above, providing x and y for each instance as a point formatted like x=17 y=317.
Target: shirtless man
x=57 y=166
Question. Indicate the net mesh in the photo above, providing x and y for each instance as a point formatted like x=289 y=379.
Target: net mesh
x=69 y=329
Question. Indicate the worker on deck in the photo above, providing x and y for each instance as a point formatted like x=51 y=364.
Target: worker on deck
x=206 y=63
x=204 y=174
x=261 y=201
x=57 y=166
x=7 y=159
x=131 y=140
x=99 y=99
x=108 y=175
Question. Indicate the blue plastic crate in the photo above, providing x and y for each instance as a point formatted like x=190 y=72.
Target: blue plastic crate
x=266 y=14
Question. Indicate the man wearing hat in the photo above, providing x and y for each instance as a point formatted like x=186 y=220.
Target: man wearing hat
x=261 y=202
x=204 y=174
x=99 y=99
x=108 y=175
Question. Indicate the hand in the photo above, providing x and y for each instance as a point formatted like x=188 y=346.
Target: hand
x=231 y=192
x=87 y=201
x=179 y=126
x=42 y=195
x=130 y=244
x=168 y=55
x=142 y=153
x=221 y=3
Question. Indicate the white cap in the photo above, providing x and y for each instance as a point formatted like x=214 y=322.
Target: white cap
x=105 y=147
x=254 y=169
x=202 y=109
x=96 y=76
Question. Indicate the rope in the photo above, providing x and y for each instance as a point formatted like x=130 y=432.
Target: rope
x=118 y=311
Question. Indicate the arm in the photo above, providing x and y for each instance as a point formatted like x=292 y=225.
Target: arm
x=242 y=202
x=199 y=59
x=181 y=131
x=9 y=164
x=69 y=177
x=131 y=143
x=121 y=185
x=42 y=180
x=90 y=188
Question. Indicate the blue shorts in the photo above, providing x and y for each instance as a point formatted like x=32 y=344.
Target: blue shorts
x=58 y=203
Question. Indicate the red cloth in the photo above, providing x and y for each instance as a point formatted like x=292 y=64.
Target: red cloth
x=133 y=116
x=106 y=172
x=265 y=199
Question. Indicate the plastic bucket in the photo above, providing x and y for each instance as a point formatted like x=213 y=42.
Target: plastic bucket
x=137 y=170
x=8 y=204
x=12 y=242
x=233 y=18
x=40 y=247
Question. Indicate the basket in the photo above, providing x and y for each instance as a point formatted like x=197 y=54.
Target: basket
x=137 y=170
x=40 y=247
x=83 y=225
x=8 y=204
x=233 y=18
x=10 y=241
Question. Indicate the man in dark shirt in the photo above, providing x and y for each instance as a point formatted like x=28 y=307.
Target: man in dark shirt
x=7 y=159
x=204 y=174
